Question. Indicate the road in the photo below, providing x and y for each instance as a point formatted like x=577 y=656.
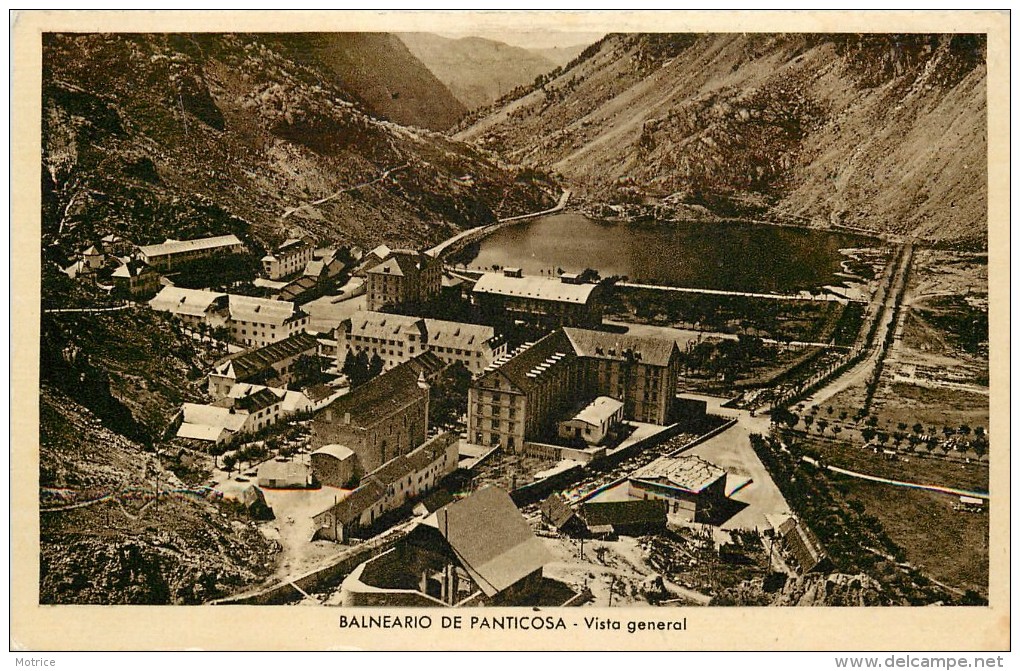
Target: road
x=386 y=173
x=90 y=310
x=486 y=230
x=859 y=373
x=805 y=296
x=902 y=483
x=684 y=336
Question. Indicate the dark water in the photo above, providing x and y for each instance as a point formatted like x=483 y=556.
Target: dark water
x=733 y=256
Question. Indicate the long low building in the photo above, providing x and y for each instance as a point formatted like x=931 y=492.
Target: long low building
x=395 y=483
x=272 y=365
x=172 y=253
x=543 y=302
x=398 y=338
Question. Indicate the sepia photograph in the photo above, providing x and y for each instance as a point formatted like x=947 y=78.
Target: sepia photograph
x=564 y=324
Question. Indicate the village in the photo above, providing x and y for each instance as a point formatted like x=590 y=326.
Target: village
x=412 y=431
x=454 y=437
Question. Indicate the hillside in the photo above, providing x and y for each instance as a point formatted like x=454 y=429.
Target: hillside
x=167 y=135
x=478 y=71
x=885 y=132
x=389 y=79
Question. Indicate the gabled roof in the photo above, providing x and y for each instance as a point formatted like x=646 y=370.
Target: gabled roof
x=429 y=453
x=256 y=399
x=247 y=365
x=403 y=262
x=534 y=287
x=458 y=334
x=369 y=324
x=383 y=395
x=200 y=432
x=392 y=471
x=292 y=471
x=690 y=473
x=212 y=415
x=132 y=268
x=604 y=345
x=490 y=537
x=526 y=365
x=261 y=310
x=193 y=302
x=296 y=288
x=557 y=511
x=179 y=246
x=361 y=499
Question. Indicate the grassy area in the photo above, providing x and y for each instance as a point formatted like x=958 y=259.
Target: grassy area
x=903 y=402
x=946 y=544
x=911 y=469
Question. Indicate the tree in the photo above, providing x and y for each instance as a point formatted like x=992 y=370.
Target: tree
x=918 y=428
x=375 y=366
x=356 y=368
x=448 y=396
x=308 y=370
x=883 y=437
x=868 y=433
x=902 y=426
x=964 y=430
x=590 y=276
x=808 y=421
x=229 y=461
x=822 y=424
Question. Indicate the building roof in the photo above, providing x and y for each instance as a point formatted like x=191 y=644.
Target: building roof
x=369 y=324
x=180 y=246
x=361 y=499
x=526 y=365
x=246 y=365
x=296 y=288
x=534 y=287
x=213 y=415
x=623 y=513
x=557 y=511
x=336 y=451
x=200 y=432
x=599 y=410
x=381 y=396
x=292 y=471
x=193 y=302
x=431 y=452
x=604 y=345
x=261 y=310
x=256 y=399
x=394 y=470
x=132 y=268
x=690 y=473
x=403 y=262
x=458 y=335
x=491 y=539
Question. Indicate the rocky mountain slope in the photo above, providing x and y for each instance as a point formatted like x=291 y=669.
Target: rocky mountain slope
x=161 y=135
x=130 y=549
x=478 y=71
x=881 y=132
x=389 y=79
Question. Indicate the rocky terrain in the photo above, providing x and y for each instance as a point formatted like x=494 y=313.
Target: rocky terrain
x=153 y=136
x=127 y=548
x=884 y=133
x=476 y=70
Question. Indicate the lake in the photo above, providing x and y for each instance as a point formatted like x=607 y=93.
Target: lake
x=735 y=256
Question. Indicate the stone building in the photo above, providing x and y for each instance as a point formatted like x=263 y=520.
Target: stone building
x=407 y=276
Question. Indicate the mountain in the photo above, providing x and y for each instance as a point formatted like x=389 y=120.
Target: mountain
x=392 y=83
x=478 y=71
x=881 y=132
x=172 y=135
x=559 y=56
